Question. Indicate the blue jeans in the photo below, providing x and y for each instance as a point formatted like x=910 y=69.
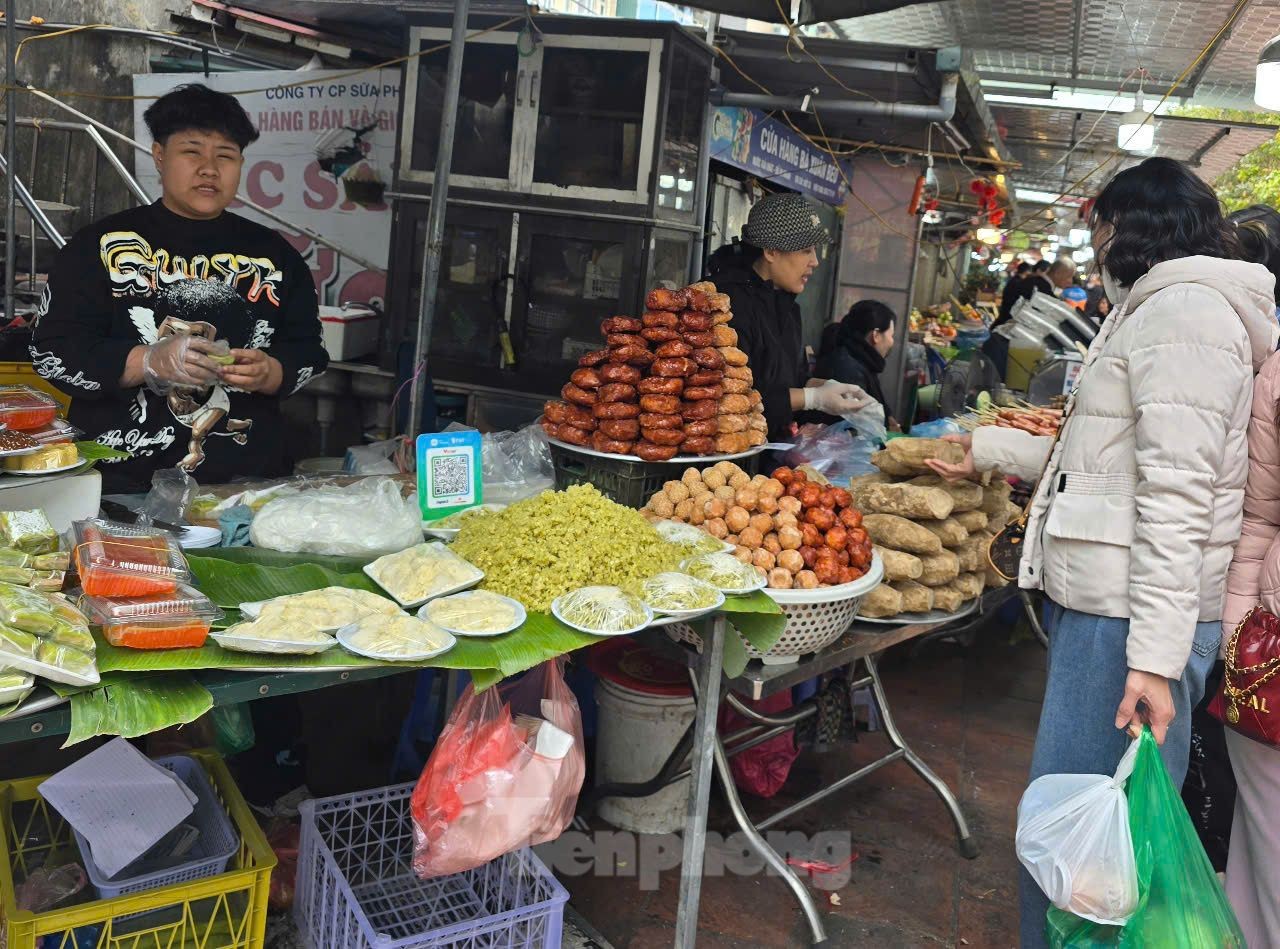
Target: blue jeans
x=1077 y=734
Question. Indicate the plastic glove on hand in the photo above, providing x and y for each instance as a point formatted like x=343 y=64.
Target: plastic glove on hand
x=180 y=362
x=836 y=398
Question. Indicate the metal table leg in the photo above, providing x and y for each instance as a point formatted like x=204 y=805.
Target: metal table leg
x=705 y=742
x=762 y=847
x=968 y=846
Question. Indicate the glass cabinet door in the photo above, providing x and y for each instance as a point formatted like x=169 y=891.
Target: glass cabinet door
x=570 y=277
x=682 y=136
x=490 y=97
x=595 y=104
x=470 y=312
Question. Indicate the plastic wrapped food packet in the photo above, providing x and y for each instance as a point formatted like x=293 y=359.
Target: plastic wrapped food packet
x=14 y=685
x=679 y=593
x=17 y=642
x=602 y=610
x=65 y=633
x=65 y=659
x=47 y=581
x=25 y=609
x=690 y=539
x=28 y=531
x=23 y=408
x=14 y=558
x=58 y=560
x=724 y=572
x=20 y=575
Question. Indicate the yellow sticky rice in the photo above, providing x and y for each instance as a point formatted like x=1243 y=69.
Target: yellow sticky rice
x=562 y=540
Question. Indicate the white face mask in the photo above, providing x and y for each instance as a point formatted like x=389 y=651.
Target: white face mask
x=1115 y=293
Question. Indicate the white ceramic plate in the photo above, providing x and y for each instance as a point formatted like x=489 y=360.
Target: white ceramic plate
x=45 y=471
x=345 y=634
x=269 y=647
x=521 y=616
x=555 y=611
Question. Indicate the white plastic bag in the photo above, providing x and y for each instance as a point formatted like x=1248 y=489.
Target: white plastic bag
x=869 y=421
x=368 y=518
x=1073 y=838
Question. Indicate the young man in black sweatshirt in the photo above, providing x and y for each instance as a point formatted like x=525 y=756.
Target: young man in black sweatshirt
x=178 y=328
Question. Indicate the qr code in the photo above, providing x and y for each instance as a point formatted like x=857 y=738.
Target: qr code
x=450 y=476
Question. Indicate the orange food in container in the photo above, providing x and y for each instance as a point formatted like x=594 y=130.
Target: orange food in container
x=23 y=408
x=178 y=620
x=116 y=560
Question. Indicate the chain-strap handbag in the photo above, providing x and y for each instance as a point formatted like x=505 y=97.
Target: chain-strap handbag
x=1249 y=699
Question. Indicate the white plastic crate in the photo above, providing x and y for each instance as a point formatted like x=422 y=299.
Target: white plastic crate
x=356 y=888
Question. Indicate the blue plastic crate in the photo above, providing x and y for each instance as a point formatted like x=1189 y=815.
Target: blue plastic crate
x=356 y=888
x=217 y=844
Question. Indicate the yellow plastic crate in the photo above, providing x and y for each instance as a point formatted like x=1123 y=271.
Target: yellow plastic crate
x=228 y=911
x=22 y=374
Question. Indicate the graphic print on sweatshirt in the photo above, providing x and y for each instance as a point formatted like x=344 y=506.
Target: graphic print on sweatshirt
x=195 y=298
x=147 y=273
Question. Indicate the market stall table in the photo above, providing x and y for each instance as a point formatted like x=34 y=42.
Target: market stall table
x=863 y=643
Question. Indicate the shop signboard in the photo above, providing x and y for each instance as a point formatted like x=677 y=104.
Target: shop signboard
x=776 y=154
x=282 y=172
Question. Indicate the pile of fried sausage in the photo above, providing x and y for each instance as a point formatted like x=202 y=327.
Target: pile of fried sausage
x=670 y=383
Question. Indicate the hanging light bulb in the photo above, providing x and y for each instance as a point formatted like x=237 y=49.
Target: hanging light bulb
x=1266 y=92
x=1136 y=134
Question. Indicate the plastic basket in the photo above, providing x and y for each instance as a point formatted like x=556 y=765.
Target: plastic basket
x=627 y=482
x=356 y=887
x=227 y=911
x=216 y=846
x=815 y=618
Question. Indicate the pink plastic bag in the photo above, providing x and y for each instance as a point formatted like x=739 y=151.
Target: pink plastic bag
x=485 y=791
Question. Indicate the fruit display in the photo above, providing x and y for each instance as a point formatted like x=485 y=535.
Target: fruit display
x=931 y=535
x=796 y=533
x=671 y=383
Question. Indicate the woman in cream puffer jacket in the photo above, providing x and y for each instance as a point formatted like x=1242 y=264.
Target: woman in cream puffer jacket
x=1134 y=521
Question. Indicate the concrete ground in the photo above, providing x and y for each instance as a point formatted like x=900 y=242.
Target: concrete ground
x=971 y=714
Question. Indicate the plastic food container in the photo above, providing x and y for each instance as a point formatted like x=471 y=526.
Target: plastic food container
x=59 y=431
x=123 y=560
x=178 y=620
x=23 y=408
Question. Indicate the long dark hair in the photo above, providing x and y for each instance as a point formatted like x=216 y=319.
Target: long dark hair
x=1159 y=211
x=1258 y=230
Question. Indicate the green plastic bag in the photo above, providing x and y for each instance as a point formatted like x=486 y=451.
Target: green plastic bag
x=1181 y=904
x=233 y=729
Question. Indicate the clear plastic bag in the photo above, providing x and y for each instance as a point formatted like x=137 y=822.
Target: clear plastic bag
x=516 y=465
x=836 y=451
x=1073 y=838
x=490 y=786
x=172 y=491
x=378 y=458
x=369 y=518
x=1181 y=904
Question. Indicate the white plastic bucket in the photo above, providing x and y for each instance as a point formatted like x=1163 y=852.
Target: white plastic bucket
x=635 y=733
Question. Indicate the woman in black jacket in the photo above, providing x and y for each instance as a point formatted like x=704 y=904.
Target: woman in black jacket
x=763 y=274
x=861 y=345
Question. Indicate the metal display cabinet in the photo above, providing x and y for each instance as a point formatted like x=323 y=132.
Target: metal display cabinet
x=572 y=191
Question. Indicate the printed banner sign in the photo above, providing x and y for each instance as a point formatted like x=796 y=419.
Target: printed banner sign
x=775 y=153
x=282 y=171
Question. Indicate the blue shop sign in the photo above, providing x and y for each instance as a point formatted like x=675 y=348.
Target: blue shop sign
x=775 y=153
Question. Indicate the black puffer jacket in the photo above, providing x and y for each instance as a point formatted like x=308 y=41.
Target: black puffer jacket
x=769 y=332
